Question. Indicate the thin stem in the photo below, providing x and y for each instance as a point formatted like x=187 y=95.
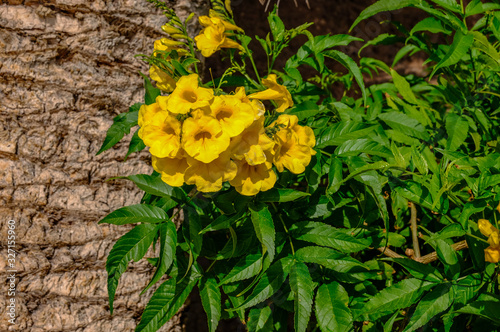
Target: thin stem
x=249 y=54
x=414 y=229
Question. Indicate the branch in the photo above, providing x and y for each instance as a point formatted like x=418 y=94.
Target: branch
x=414 y=230
x=424 y=259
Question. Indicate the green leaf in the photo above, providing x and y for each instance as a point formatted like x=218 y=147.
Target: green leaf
x=281 y=195
x=382 y=6
x=211 y=301
x=165 y=302
x=460 y=46
x=419 y=270
x=432 y=25
x=155 y=186
x=151 y=91
x=451 y=5
x=350 y=64
x=136 y=144
x=398 y=296
x=363 y=145
x=131 y=246
x=248 y=266
x=382 y=39
x=269 y=284
x=330 y=307
x=135 y=213
x=301 y=284
x=122 y=124
x=416 y=193
x=260 y=320
x=403 y=87
x=432 y=304
x=405 y=124
x=335 y=261
x=326 y=235
x=419 y=161
x=485 y=306
x=277 y=27
x=168 y=245
x=457 y=128
x=335 y=175
x=341 y=132
x=264 y=228
x=223 y=222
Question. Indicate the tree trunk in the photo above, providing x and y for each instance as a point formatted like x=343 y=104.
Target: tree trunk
x=67 y=67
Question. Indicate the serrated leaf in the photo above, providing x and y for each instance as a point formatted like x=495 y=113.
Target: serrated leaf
x=405 y=124
x=168 y=244
x=459 y=47
x=403 y=87
x=449 y=4
x=211 y=300
x=382 y=6
x=264 y=228
x=281 y=195
x=351 y=65
x=328 y=236
x=457 y=128
x=419 y=161
x=131 y=246
x=432 y=25
x=135 y=213
x=398 y=296
x=485 y=306
x=330 y=307
x=269 y=284
x=155 y=186
x=247 y=267
x=432 y=304
x=260 y=320
x=136 y=144
x=363 y=145
x=419 y=270
x=165 y=302
x=121 y=126
x=341 y=132
x=301 y=284
x=151 y=91
x=223 y=222
x=335 y=175
x=335 y=261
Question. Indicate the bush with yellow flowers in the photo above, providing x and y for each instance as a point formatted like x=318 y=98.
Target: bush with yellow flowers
x=282 y=200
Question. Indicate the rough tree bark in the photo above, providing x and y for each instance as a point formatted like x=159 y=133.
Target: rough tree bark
x=67 y=67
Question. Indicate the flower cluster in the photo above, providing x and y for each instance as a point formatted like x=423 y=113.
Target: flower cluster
x=201 y=139
x=215 y=35
x=492 y=253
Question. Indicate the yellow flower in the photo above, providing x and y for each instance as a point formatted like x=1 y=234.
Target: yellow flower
x=233 y=115
x=166 y=44
x=203 y=138
x=258 y=107
x=492 y=253
x=253 y=144
x=208 y=177
x=275 y=92
x=486 y=228
x=171 y=169
x=187 y=96
x=162 y=135
x=294 y=144
x=251 y=179
x=163 y=80
x=146 y=113
x=213 y=37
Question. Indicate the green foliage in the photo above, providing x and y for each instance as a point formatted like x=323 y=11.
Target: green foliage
x=307 y=248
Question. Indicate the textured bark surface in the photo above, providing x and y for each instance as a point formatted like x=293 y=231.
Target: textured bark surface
x=67 y=67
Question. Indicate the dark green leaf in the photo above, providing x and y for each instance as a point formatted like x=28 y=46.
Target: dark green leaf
x=211 y=301
x=131 y=246
x=264 y=228
x=135 y=213
x=281 y=195
x=260 y=320
x=457 y=128
x=419 y=270
x=136 y=144
x=459 y=47
x=382 y=6
x=330 y=307
x=155 y=186
x=405 y=124
x=122 y=124
x=248 y=266
x=302 y=287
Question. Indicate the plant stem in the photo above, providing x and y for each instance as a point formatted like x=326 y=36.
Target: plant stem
x=414 y=230
x=286 y=229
